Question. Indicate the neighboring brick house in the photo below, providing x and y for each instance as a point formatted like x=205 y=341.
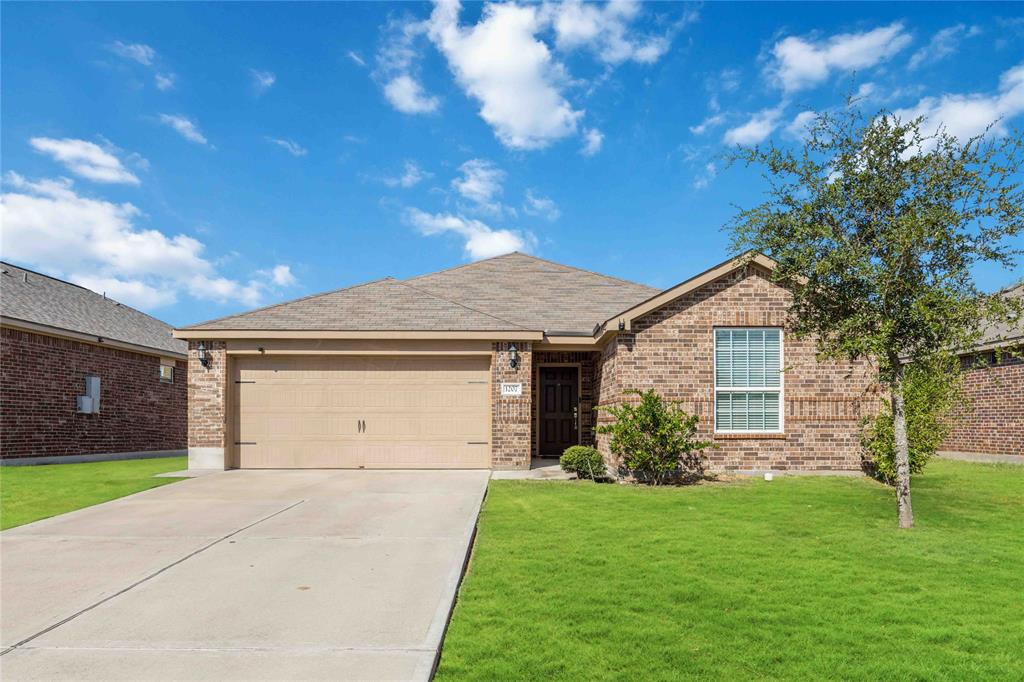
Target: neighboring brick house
x=991 y=419
x=489 y=364
x=81 y=374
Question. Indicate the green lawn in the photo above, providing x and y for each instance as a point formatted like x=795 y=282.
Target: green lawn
x=30 y=493
x=801 y=578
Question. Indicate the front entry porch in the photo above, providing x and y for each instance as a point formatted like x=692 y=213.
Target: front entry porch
x=563 y=401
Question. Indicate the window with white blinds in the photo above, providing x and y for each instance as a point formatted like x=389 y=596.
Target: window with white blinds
x=748 y=380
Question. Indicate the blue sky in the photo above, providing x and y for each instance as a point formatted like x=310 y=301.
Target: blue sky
x=198 y=159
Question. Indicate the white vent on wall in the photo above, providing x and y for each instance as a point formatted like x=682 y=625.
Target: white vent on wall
x=90 y=402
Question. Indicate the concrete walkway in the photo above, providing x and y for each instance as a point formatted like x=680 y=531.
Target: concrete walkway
x=982 y=457
x=243 y=575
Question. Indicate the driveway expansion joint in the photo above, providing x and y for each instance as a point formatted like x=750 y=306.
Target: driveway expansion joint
x=145 y=579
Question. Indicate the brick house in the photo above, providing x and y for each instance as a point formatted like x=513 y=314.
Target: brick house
x=991 y=419
x=489 y=364
x=83 y=375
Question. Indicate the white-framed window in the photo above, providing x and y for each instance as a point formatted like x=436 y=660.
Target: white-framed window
x=748 y=380
x=167 y=374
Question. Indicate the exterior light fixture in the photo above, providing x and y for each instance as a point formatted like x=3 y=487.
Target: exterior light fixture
x=513 y=356
x=204 y=355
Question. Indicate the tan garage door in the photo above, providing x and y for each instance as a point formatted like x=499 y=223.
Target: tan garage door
x=389 y=412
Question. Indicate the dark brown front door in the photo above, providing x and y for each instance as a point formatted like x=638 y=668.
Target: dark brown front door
x=559 y=409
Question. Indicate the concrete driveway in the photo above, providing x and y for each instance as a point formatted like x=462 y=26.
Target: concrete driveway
x=254 y=575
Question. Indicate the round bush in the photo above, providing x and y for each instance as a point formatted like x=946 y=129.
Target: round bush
x=584 y=461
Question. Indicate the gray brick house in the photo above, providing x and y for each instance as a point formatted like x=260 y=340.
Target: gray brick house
x=489 y=364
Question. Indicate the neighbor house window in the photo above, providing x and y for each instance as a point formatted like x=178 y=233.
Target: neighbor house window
x=167 y=374
x=748 y=380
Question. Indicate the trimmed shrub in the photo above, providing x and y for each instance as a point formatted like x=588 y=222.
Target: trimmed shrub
x=930 y=393
x=655 y=440
x=584 y=461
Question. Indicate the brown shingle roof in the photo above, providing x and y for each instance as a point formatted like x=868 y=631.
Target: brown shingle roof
x=30 y=296
x=509 y=292
x=382 y=305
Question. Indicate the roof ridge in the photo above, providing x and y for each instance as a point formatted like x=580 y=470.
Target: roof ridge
x=536 y=258
x=288 y=302
x=589 y=272
x=462 y=305
x=465 y=265
x=43 y=274
x=90 y=291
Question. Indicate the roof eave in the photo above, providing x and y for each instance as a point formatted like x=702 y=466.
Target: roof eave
x=37 y=328
x=491 y=335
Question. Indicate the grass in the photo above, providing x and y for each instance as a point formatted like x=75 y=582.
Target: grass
x=30 y=493
x=801 y=578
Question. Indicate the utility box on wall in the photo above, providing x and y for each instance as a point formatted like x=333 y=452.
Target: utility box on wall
x=90 y=402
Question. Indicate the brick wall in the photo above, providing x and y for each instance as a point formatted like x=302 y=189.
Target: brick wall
x=42 y=376
x=511 y=417
x=207 y=395
x=991 y=420
x=671 y=350
x=588 y=363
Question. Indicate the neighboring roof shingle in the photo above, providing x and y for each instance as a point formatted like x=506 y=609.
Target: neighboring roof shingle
x=997 y=334
x=510 y=292
x=33 y=297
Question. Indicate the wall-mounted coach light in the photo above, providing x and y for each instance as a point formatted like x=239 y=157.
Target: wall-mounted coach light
x=513 y=356
x=204 y=355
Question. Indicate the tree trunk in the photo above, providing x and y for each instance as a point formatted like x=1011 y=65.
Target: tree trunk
x=899 y=422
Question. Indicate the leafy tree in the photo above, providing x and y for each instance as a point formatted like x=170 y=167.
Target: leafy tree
x=876 y=224
x=655 y=439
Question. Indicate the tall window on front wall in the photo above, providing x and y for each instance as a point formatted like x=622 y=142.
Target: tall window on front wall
x=748 y=380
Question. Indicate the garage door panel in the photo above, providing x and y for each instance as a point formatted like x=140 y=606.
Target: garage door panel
x=417 y=412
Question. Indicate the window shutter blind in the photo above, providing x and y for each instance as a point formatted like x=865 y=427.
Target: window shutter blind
x=748 y=365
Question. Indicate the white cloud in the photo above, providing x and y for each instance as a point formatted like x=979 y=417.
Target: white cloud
x=185 y=127
x=757 y=128
x=865 y=91
x=48 y=224
x=605 y=29
x=541 y=206
x=704 y=179
x=407 y=95
x=799 y=63
x=355 y=57
x=797 y=128
x=593 y=139
x=138 y=52
x=165 y=81
x=964 y=116
x=505 y=63
x=85 y=159
x=481 y=241
x=262 y=80
x=293 y=148
x=411 y=176
x=707 y=124
x=480 y=181
x=133 y=292
x=943 y=44
x=282 y=276
x=500 y=63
